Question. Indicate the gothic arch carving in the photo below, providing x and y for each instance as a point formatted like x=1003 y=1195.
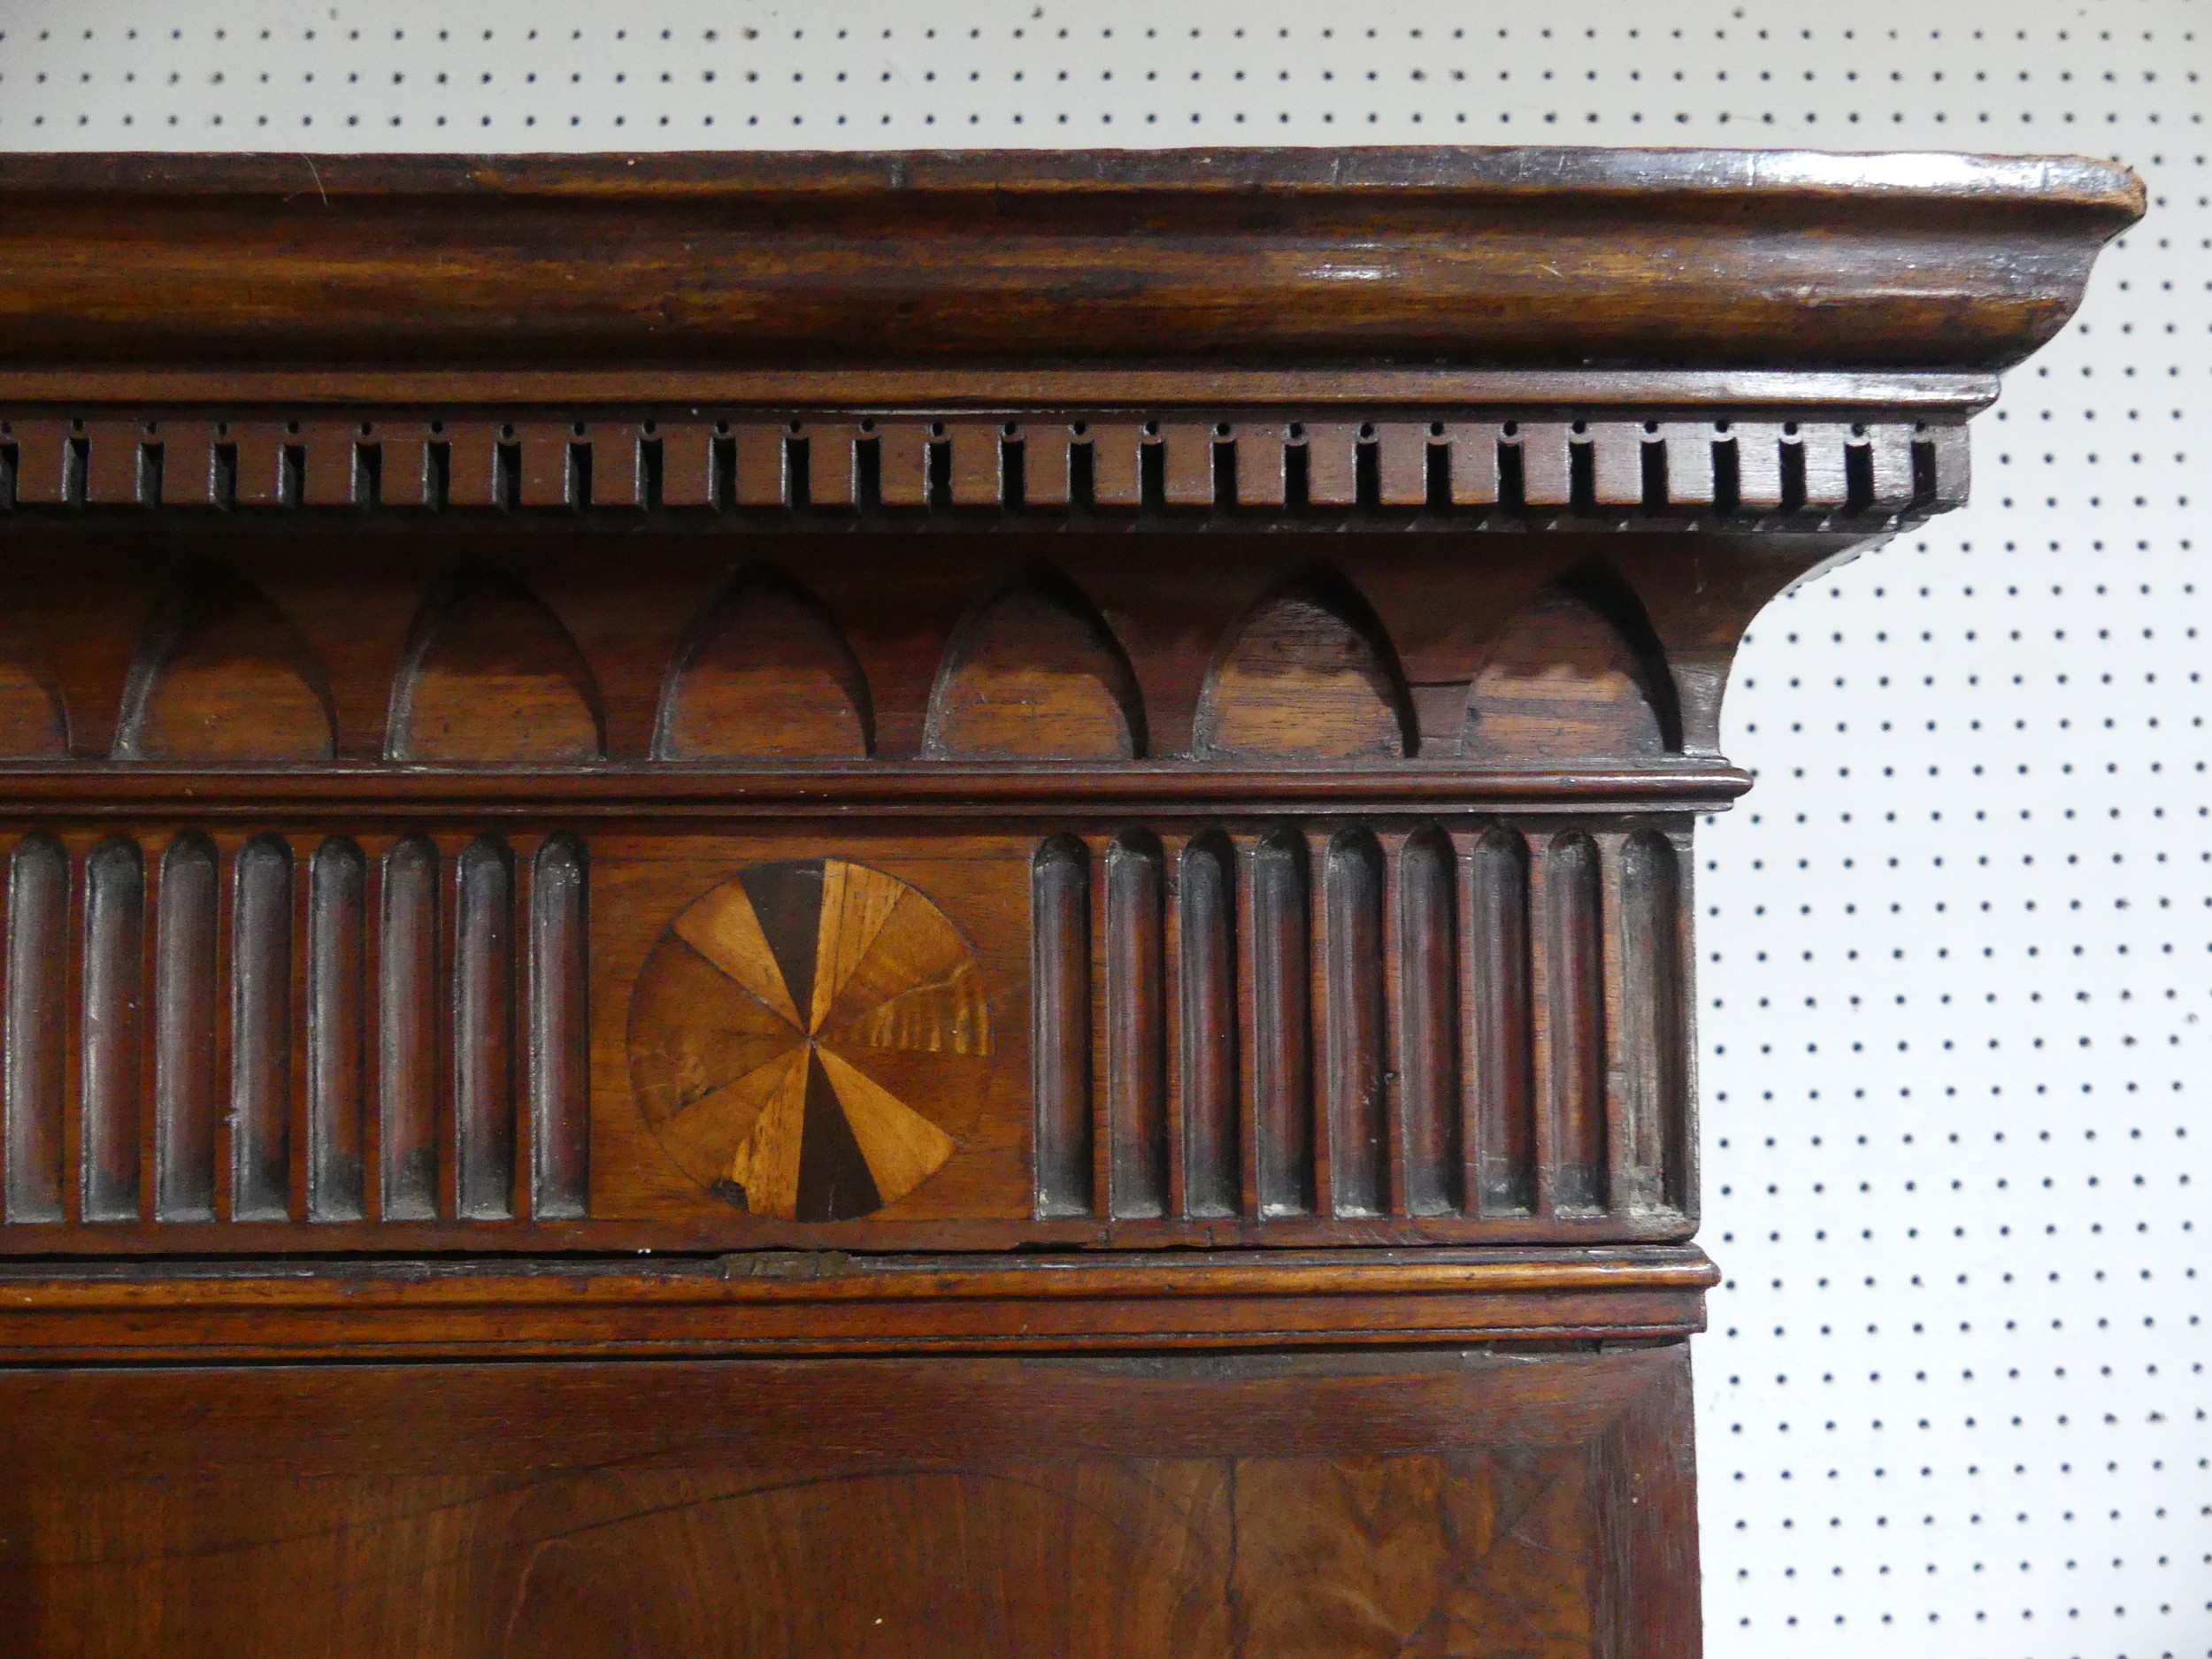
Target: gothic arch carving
x=490 y=675
x=1579 y=671
x=764 y=674
x=1033 y=672
x=33 y=722
x=1308 y=673
x=221 y=675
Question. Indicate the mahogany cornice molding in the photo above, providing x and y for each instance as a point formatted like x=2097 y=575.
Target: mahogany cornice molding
x=1193 y=260
x=1449 y=337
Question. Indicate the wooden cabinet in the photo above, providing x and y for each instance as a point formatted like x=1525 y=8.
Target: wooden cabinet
x=927 y=905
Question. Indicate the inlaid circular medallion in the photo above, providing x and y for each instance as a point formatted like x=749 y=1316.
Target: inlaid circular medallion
x=810 y=1039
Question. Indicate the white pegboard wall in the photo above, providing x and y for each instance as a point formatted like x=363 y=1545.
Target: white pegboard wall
x=406 y=74
x=1959 y=941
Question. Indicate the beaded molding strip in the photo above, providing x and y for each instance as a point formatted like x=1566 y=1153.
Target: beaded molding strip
x=1113 y=463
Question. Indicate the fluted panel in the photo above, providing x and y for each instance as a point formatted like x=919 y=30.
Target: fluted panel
x=337 y=1164
x=1437 y=1022
x=560 y=1033
x=1060 y=1032
x=275 y=1039
x=261 y=1032
x=484 y=1032
x=1206 y=903
x=36 y=1036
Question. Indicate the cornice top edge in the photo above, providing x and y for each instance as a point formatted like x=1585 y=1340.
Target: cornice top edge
x=1214 y=261
x=1507 y=171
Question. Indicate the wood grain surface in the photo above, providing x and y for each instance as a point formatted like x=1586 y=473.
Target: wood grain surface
x=1459 y=1503
x=1476 y=257
x=1189 y=992
x=829 y=1302
x=539 y=651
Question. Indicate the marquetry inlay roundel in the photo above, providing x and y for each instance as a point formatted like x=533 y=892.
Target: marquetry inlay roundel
x=809 y=1039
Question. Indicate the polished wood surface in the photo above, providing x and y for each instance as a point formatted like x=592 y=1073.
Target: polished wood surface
x=930 y=905
x=1234 y=257
x=1200 y=995
x=832 y=1302
x=1442 y=1503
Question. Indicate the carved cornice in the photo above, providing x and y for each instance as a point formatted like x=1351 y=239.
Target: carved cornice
x=1110 y=466
x=1450 y=337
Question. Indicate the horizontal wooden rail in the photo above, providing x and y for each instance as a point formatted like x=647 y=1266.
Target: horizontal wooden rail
x=828 y=1302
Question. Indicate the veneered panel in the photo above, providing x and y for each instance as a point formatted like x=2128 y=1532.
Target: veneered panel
x=1283 y=1506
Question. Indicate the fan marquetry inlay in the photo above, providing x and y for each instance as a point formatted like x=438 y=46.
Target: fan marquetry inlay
x=805 y=1037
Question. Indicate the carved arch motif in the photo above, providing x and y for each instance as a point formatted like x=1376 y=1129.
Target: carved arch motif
x=34 y=721
x=1308 y=674
x=1034 y=672
x=490 y=675
x=764 y=674
x=222 y=676
x=1579 y=673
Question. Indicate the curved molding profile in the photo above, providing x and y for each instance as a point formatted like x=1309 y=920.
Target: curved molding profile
x=1033 y=672
x=1218 y=258
x=764 y=674
x=1579 y=673
x=222 y=676
x=490 y=676
x=1308 y=674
